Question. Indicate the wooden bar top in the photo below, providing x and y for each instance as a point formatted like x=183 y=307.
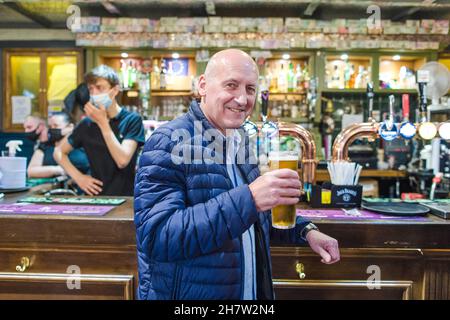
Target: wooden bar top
x=323 y=175
x=117 y=228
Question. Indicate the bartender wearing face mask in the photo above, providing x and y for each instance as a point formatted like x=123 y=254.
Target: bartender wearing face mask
x=36 y=129
x=42 y=164
x=110 y=135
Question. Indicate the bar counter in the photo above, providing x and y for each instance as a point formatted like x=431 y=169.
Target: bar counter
x=401 y=259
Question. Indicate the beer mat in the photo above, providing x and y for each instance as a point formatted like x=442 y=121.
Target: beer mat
x=338 y=214
x=78 y=201
x=69 y=210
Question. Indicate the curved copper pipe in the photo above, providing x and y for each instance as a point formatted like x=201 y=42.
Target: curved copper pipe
x=309 y=162
x=350 y=134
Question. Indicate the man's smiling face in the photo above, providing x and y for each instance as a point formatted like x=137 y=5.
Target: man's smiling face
x=228 y=89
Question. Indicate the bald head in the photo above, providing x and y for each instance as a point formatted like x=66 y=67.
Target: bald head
x=228 y=58
x=228 y=88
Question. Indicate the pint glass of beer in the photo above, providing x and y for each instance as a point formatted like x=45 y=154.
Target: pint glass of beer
x=283 y=217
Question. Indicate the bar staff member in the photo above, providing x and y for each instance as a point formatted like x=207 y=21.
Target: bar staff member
x=110 y=135
x=42 y=164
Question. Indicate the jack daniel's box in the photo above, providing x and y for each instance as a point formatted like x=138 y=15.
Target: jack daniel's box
x=334 y=196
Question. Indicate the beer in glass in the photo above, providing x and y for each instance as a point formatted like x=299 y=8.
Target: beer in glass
x=283 y=217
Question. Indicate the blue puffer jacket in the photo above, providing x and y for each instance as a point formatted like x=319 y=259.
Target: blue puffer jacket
x=190 y=220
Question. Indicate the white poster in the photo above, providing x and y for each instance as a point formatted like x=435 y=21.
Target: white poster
x=21 y=108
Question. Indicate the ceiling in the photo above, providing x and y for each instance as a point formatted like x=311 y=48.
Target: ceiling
x=52 y=14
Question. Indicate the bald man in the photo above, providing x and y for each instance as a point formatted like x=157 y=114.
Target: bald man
x=202 y=217
x=36 y=129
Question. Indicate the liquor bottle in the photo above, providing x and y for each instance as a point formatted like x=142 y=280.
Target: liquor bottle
x=335 y=77
x=282 y=80
x=124 y=74
x=352 y=77
x=163 y=76
x=286 y=112
x=131 y=78
x=267 y=78
x=305 y=80
x=347 y=75
x=274 y=112
x=297 y=79
x=294 y=110
x=129 y=67
x=273 y=82
x=155 y=75
x=359 y=78
x=290 y=78
x=304 y=108
x=273 y=76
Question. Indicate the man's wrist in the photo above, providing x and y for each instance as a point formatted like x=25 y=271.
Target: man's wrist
x=306 y=229
x=104 y=127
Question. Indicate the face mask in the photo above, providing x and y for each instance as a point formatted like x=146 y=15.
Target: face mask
x=33 y=135
x=101 y=99
x=54 y=135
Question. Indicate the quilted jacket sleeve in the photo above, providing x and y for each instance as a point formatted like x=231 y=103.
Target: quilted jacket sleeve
x=168 y=230
x=291 y=236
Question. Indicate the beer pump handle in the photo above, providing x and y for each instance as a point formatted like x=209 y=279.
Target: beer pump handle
x=264 y=103
x=391 y=107
x=422 y=97
x=370 y=98
x=405 y=105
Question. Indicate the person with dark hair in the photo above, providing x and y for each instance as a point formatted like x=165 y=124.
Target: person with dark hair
x=110 y=135
x=74 y=102
x=42 y=164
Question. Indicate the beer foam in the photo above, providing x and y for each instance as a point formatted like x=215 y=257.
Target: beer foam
x=283 y=156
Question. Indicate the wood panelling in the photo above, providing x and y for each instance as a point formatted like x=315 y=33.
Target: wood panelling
x=55 y=286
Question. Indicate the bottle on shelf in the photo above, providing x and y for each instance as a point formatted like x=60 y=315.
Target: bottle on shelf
x=155 y=75
x=360 y=79
x=347 y=75
x=335 y=77
x=274 y=111
x=286 y=113
x=272 y=80
x=130 y=74
x=290 y=78
x=294 y=109
x=124 y=74
x=181 y=107
x=282 y=79
x=306 y=79
x=304 y=108
x=163 y=76
x=298 y=79
x=352 y=77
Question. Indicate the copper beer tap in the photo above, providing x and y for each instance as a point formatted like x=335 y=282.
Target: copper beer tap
x=269 y=129
x=306 y=139
x=350 y=134
x=358 y=130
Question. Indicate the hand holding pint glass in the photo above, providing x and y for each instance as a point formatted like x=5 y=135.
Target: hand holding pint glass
x=279 y=189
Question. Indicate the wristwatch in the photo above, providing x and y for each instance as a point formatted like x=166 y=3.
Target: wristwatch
x=310 y=226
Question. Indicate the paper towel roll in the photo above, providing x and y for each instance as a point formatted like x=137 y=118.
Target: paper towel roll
x=13 y=172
